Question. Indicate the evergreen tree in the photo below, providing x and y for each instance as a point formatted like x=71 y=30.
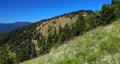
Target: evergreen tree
x=67 y=31
x=108 y=14
x=115 y=1
x=80 y=25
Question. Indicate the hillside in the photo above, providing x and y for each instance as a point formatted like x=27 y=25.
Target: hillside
x=7 y=27
x=98 y=46
x=38 y=39
x=31 y=41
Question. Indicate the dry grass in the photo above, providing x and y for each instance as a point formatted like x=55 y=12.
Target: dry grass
x=55 y=23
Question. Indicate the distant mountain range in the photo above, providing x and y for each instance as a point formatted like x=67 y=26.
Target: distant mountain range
x=7 y=27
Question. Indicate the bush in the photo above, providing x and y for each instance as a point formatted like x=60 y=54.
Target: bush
x=92 y=56
x=111 y=45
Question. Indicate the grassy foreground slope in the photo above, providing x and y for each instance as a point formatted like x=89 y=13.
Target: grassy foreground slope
x=98 y=46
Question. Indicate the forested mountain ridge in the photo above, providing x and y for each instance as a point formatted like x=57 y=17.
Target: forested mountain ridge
x=25 y=43
x=37 y=39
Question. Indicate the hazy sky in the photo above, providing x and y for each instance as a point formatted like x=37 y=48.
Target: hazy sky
x=34 y=10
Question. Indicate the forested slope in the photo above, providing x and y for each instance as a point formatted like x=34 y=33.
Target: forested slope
x=98 y=46
x=37 y=39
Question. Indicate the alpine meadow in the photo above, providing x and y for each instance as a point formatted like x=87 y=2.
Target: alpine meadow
x=78 y=37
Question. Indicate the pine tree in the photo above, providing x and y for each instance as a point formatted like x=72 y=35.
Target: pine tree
x=115 y=1
x=108 y=14
x=80 y=25
x=67 y=31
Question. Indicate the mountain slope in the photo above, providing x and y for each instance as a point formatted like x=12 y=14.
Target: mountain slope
x=100 y=45
x=38 y=38
x=7 y=27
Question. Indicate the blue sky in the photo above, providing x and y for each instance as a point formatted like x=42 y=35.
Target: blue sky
x=34 y=10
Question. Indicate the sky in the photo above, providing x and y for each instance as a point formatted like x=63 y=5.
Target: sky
x=35 y=10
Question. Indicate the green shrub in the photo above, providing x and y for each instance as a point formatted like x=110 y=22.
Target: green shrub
x=92 y=56
x=111 y=45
